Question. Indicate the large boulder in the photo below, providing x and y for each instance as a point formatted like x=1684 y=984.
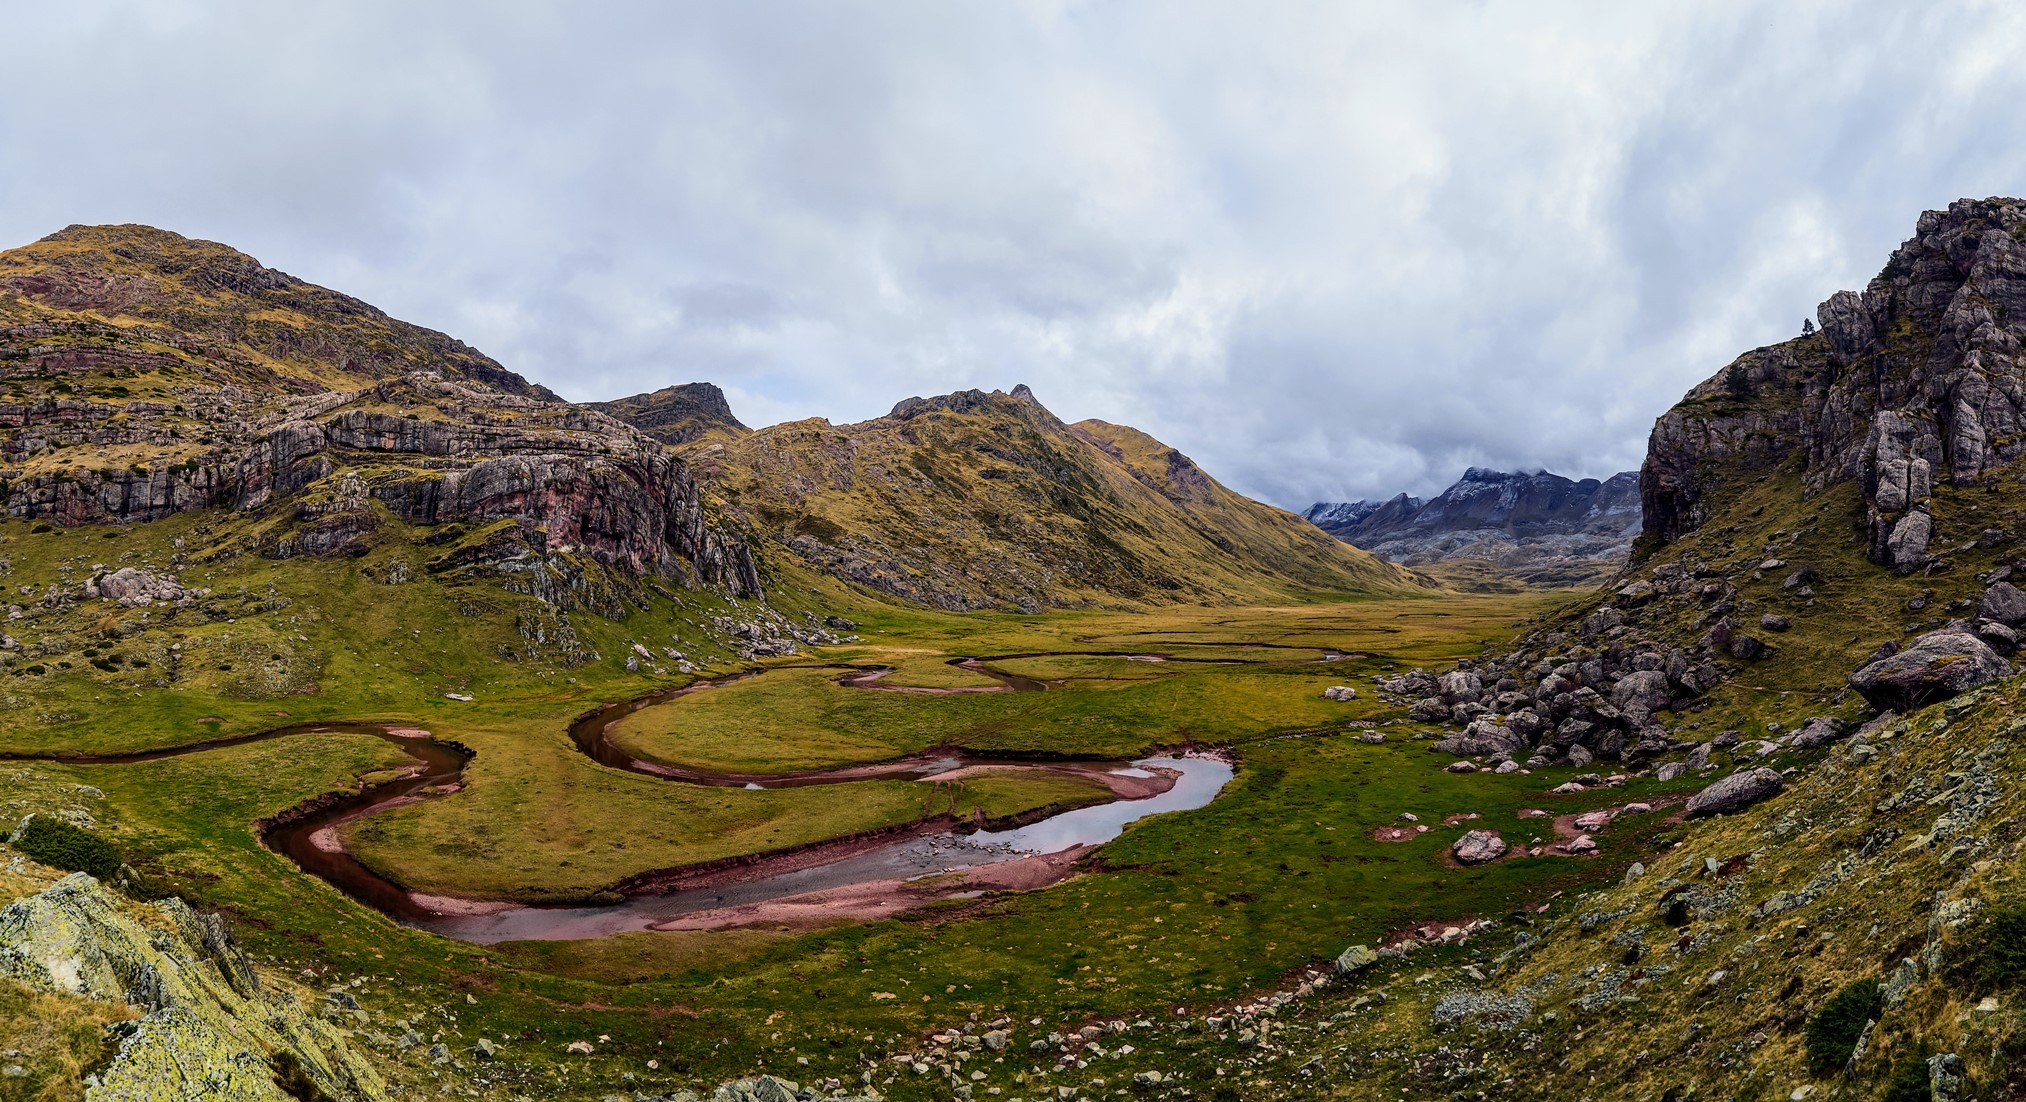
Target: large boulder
x=1819 y=731
x=1461 y=687
x=1937 y=666
x=1640 y=694
x=1907 y=545
x=1736 y=792
x=2005 y=603
x=1478 y=847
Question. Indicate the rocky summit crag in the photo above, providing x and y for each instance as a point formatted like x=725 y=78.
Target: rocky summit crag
x=1535 y=528
x=690 y=413
x=1916 y=382
x=1831 y=511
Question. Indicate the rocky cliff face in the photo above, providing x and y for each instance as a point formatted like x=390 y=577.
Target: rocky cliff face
x=1773 y=495
x=1537 y=526
x=1914 y=382
x=988 y=500
x=677 y=415
x=146 y=375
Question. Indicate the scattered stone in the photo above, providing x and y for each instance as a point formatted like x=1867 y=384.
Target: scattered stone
x=1819 y=731
x=1478 y=847
x=1736 y=792
x=1340 y=693
x=1356 y=959
x=2004 y=603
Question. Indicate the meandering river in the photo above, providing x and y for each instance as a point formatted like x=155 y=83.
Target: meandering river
x=863 y=877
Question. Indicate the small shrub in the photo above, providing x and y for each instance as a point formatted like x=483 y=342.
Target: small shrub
x=60 y=845
x=1909 y=1080
x=1997 y=953
x=1738 y=381
x=1833 y=1030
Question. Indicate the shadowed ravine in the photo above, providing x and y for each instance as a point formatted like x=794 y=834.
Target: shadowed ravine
x=863 y=876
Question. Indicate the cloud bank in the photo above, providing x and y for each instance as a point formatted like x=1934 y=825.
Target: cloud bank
x=1331 y=250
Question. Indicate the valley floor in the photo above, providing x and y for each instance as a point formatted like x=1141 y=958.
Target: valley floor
x=1183 y=914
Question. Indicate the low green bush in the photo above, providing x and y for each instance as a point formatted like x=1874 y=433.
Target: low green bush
x=1909 y=1080
x=60 y=845
x=1833 y=1030
x=1996 y=956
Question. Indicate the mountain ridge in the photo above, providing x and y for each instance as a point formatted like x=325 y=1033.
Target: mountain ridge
x=1537 y=527
x=978 y=499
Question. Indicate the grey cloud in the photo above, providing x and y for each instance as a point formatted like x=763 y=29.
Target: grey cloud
x=1330 y=250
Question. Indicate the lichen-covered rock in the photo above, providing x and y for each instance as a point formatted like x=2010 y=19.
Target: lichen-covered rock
x=1938 y=665
x=1819 y=731
x=1356 y=959
x=207 y=1032
x=1478 y=847
x=1640 y=694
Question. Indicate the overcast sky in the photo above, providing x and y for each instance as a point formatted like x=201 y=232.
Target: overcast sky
x=1329 y=250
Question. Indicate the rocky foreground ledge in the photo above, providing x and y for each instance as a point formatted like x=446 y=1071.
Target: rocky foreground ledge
x=207 y=1028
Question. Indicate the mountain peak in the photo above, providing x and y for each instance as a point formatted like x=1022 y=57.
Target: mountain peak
x=1537 y=525
x=967 y=401
x=680 y=414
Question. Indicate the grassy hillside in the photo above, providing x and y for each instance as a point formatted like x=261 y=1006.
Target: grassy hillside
x=159 y=295
x=975 y=500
